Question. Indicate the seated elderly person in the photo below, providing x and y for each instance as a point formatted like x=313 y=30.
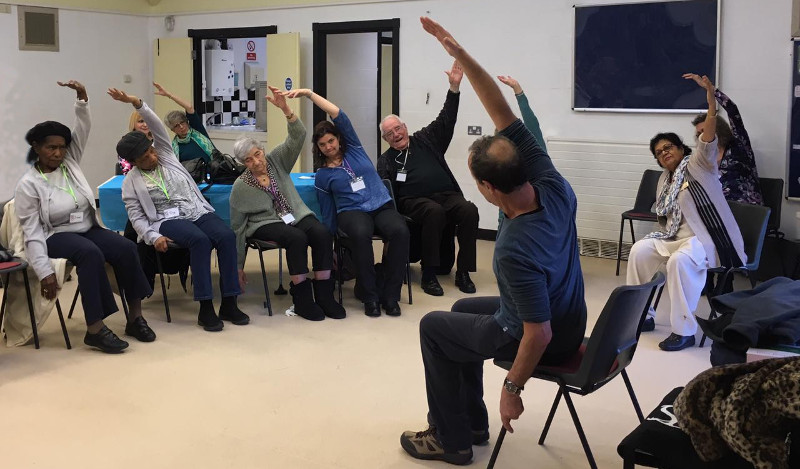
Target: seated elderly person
x=56 y=208
x=698 y=228
x=265 y=205
x=426 y=190
x=165 y=205
x=191 y=139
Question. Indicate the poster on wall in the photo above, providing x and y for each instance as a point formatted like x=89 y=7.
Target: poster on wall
x=794 y=147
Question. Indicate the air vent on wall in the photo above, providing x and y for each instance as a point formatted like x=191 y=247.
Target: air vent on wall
x=38 y=28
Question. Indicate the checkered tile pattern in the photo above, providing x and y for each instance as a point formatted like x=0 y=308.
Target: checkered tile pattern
x=225 y=109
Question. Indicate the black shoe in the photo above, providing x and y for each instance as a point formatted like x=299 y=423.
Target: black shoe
x=649 y=324
x=676 y=342
x=303 y=300
x=372 y=309
x=209 y=320
x=480 y=438
x=392 y=308
x=464 y=283
x=432 y=287
x=235 y=316
x=323 y=296
x=106 y=341
x=139 y=329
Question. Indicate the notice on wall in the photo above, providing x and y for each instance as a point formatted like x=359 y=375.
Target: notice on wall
x=251 y=50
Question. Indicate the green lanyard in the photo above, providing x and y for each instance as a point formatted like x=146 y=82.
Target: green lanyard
x=162 y=185
x=69 y=190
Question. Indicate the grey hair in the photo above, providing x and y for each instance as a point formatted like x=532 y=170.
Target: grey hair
x=174 y=118
x=380 y=126
x=243 y=146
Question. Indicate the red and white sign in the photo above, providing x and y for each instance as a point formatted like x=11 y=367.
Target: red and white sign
x=251 y=56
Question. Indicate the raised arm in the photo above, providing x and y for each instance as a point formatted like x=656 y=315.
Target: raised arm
x=484 y=85
x=440 y=131
x=528 y=117
x=736 y=122
x=83 y=121
x=161 y=138
x=286 y=153
x=322 y=103
x=160 y=91
x=705 y=152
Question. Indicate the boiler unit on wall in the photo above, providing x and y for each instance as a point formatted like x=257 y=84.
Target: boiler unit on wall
x=219 y=73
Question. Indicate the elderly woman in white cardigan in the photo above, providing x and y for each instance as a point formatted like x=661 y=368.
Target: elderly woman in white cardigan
x=164 y=204
x=56 y=209
x=698 y=230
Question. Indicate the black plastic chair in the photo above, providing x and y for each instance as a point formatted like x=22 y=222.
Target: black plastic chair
x=341 y=239
x=22 y=267
x=642 y=207
x=604 y=355
x=160 y=270
x=772 y=194
x=752 y=221
x=261 y=246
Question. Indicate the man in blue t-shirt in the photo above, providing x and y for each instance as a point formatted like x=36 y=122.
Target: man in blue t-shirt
x=540 y=315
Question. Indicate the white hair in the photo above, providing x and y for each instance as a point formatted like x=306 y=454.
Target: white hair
x=380 y=126
x=242 y=147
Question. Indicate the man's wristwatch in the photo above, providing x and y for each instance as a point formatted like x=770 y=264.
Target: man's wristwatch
x=511 y=387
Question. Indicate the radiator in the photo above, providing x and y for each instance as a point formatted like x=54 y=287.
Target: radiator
x=605 y=177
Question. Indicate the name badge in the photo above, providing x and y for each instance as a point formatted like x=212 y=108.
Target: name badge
x=172 y=212
x=684 y=185
x=357 y=184
x=401 y=176
x=287 y=218
x=76 y=217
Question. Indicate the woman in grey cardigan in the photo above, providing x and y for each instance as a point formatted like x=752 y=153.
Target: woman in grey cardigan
x=56 y=208
x=265 y=205
x=698 y=230
x=164 y=205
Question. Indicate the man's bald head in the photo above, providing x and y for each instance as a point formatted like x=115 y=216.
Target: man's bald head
x=495 y=159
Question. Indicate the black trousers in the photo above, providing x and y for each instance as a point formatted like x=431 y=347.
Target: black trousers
x=454 y=347
x=391 y=226
x=435 y=212
x=296 y=239
x=89 y=252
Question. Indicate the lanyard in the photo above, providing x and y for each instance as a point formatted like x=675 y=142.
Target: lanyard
x=162 y=185
x=69 y=190
x=349 y=169
x=408 y=152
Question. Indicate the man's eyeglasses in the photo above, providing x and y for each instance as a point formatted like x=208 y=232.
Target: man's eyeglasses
x=666 y=148
x=391 y=133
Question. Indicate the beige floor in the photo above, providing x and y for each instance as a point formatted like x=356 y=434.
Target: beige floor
x=286 y=393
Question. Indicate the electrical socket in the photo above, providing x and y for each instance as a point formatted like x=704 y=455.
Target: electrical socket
x=474 y=130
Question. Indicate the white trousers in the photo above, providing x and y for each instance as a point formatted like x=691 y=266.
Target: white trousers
x=685 y=264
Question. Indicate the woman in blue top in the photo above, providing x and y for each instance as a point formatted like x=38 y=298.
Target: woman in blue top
x=352 y=196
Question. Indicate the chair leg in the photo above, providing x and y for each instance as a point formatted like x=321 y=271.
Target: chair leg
x=578 y=427
x=658 y=296
x=122 y=297
x=163 y=285
x=550 y=416
x=619 y=246
x=3 y=304
x=721 y=281
x=280 y=290
x=633 y=236
x=496 y=449
x=74 y=301
x=408 y=281
x=63 y=325
x=633 y=396
x=30 y=309
x=267 y=303
x=339 y=261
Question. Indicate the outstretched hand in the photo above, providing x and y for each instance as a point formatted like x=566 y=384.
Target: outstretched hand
x=510 y=81
x=297 y=93
x=160 y=91
x=278 y=98
x=78 y=87
x=454 y=75
x=703 y=82
x=442 y=35
x=122 y=97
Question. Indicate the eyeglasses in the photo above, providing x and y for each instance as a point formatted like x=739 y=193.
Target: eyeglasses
x=179 y=124
x=391 y=133
x=664 y=149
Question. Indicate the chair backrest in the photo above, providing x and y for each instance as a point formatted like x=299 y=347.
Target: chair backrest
x=772 y=193
x=388 y=185
x=752 y=221
x=616 y=333
x=646 y=196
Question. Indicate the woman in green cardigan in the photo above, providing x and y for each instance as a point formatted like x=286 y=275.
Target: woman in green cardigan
x=265 y=205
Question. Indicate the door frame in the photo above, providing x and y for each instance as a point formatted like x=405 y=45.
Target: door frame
x=320 y=59
x=198 y=35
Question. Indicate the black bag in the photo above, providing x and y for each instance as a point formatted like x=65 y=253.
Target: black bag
x=197 y=168
x=223 y=169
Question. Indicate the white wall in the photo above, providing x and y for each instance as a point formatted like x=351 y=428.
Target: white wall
x=353 y=83
x=530 y=39
x=97 y=49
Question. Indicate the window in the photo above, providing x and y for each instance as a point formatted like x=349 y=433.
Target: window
x=38 y=28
